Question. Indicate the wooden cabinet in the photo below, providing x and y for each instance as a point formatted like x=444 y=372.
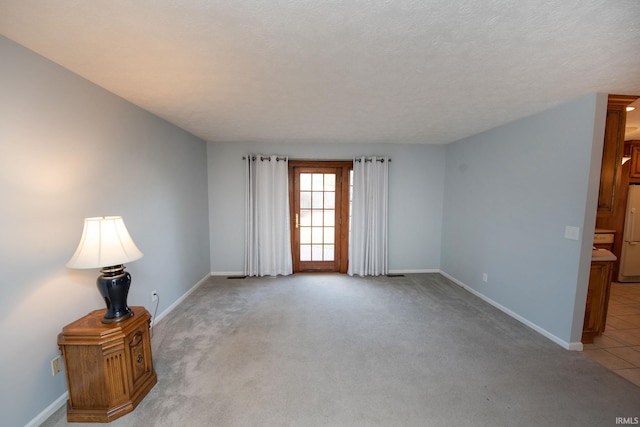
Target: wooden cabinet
x=595 y=314
x=611 y=156
x=634 y=170
x=612 y=153
x=603 y=240
x=612 y=194
x=108 y=366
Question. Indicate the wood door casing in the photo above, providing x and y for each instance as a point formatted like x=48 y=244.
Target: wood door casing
x=341 y=170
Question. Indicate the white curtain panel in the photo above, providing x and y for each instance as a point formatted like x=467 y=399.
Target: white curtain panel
x=267 y=233
x=368 y=254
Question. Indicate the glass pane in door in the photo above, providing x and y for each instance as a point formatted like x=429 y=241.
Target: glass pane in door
x=317 y=216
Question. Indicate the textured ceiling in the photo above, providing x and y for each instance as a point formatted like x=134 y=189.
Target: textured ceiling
x=409 y=71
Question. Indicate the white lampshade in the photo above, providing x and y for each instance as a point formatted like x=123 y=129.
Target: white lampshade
x=105 y=242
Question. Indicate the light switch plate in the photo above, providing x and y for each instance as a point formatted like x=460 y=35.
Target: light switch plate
x=572 y=233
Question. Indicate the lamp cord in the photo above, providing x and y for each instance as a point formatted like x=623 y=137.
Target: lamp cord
x=153 y=319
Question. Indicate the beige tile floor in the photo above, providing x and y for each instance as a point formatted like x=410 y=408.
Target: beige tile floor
x=618 y=349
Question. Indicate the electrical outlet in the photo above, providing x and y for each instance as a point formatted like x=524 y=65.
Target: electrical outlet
x=56 y=365
x=154 y=296
x=485 y=277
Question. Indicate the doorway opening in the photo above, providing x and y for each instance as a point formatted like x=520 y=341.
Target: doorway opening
x=319 y=199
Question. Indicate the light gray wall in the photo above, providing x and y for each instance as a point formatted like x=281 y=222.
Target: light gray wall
x=71 y=150
x=509 y=193
x=416 y=183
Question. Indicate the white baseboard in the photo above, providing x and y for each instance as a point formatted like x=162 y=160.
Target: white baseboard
x=428 y=270
x=178 y=301
x=573 y=346
x=48 y=411
x=418 y=271
x=227 y=273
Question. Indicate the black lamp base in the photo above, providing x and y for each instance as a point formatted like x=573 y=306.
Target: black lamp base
x=113 y=285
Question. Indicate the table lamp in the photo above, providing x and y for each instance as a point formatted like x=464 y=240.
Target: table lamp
x=106 y=244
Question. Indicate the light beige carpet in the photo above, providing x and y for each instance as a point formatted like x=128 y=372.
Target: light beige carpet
x=333 y=350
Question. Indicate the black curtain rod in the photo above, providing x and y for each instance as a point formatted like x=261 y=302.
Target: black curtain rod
x=264 y=158
x=368 y=159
